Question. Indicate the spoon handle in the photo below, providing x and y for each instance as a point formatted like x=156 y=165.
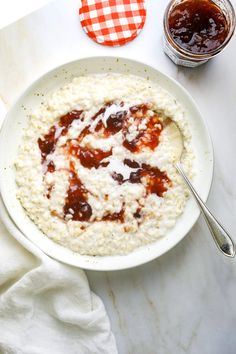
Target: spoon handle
x=220 y=236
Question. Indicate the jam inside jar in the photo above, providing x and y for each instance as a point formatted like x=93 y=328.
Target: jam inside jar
x=197 y=30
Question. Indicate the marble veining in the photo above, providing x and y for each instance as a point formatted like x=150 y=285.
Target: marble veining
x=183 y=302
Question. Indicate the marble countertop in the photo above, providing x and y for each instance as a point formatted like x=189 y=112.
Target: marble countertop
x=183 y=302
x=12 y=10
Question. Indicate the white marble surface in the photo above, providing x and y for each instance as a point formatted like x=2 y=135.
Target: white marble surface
x=12 y=10
x=183 y=302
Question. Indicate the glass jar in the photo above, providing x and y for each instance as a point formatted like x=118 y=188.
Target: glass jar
x=184 y=57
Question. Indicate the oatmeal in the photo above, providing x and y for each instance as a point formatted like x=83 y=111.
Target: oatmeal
x=95 y=167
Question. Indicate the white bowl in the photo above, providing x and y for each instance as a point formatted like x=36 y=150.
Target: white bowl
x=10 y=138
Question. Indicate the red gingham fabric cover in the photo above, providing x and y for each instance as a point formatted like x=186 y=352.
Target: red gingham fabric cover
x=112 y=22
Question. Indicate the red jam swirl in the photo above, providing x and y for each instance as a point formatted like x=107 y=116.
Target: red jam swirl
x=198 y=26
x=76 y=205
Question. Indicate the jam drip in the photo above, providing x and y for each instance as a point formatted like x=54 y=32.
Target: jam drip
x=198 y=26
x=90 y=158
x=47 y=144
x=137 y=214
x=77 y=206
x=149 y=137
x=114 y=124
x=76 y=203
x=131 y=163
x=118 y=177
x=156 y=181
x=120 y=216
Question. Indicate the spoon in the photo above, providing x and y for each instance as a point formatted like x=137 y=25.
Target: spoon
x=219 y=234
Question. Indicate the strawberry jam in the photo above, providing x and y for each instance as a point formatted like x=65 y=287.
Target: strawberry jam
x=148 y=127
x=198 y=26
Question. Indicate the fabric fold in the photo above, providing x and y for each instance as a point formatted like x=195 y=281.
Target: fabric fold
x=46 y=307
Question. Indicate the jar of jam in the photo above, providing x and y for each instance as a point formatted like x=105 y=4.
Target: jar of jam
x=197 y=30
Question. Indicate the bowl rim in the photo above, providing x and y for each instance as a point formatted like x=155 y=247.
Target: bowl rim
x=97 y=266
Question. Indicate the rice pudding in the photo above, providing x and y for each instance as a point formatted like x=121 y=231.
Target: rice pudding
x=95 y=166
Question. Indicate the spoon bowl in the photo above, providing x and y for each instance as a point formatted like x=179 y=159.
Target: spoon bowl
x=219 y=234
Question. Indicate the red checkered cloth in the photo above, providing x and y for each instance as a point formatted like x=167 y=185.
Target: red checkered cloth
x=112 y=22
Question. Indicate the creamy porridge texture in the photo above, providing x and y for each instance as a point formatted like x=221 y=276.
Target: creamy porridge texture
x=95 y=166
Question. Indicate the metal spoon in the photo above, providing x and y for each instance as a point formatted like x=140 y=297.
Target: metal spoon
x=220 y=236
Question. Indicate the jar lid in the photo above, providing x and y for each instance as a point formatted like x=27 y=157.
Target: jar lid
x=112 y=22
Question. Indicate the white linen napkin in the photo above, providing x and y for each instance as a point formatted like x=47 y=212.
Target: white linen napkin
x=46 y=307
